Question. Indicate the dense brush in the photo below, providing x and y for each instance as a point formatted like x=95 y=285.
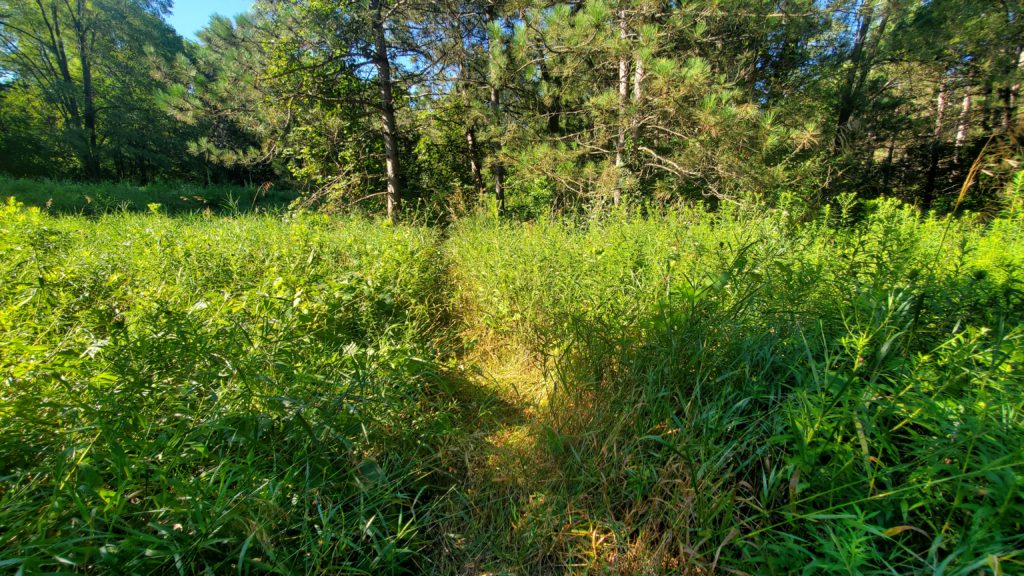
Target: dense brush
x=219 y=395
x=740 y=391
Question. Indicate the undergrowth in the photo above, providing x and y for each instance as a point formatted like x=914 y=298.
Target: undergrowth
x=243 y=395
x=741 y=391
x=744 y=391
x=96 y=198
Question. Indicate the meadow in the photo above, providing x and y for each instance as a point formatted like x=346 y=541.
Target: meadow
x=85 y=198
x=739 y=391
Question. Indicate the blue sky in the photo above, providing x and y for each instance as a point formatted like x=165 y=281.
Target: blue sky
x=189 y=16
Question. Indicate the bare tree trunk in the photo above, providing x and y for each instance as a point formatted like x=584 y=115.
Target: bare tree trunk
x=887 y=169
x=387 y=110
x=474 y=162
x=933 y=161
x=499 y=168
x=987 y=109
x=92 y=160
x=620 y=141
x=1011 y=111
x=963 y=124
x=1008 y=94
x=638 y=78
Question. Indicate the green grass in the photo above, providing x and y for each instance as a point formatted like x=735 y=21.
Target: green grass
x=752 y=391
x=224 y=395
x=739 y=391
x=59 y=197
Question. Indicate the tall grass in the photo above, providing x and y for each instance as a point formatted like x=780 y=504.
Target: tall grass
x=218 y=395
x=60 y=197
x=744 y=391
x=739 y=391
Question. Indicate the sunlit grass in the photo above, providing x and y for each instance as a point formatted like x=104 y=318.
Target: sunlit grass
x=228 y=395
x=746 y=390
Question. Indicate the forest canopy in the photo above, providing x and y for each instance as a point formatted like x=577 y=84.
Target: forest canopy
x=555 y=106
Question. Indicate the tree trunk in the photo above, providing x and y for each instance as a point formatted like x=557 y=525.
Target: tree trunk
x=1004 y=117
x=933 y=161
x=387 y=110
x=553 y=111
x=848 y=95
x=869 y=152
x=871 y=50
x=887 y=169
x=620 y=140
x=68 y=97
x=474 y=162
x=499 y=168
x=473 y=146
x=963 y=124
x=92 y=160
x=987 y=108
x=56 y=38
x=638 y=78
x=1014 y=96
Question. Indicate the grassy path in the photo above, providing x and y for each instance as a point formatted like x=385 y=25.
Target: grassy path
x=501 y=526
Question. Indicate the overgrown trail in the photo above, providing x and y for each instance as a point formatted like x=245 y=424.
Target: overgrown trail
x=517 y=392
x=502 y=392
x=499 y=521
x=690 y=393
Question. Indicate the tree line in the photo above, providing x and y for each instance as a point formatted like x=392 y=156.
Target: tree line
x=561 y=106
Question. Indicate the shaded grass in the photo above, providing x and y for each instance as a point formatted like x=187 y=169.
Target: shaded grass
x=61 y=197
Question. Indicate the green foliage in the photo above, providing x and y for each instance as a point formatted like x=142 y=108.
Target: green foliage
x=28 y=147
x=750 y=389
x=57 y=197
x=741 y=391
x=81 y=84
x=578 y=106
x=199 y=394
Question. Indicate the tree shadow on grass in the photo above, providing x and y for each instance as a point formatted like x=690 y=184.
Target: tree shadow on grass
x=94 y=199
